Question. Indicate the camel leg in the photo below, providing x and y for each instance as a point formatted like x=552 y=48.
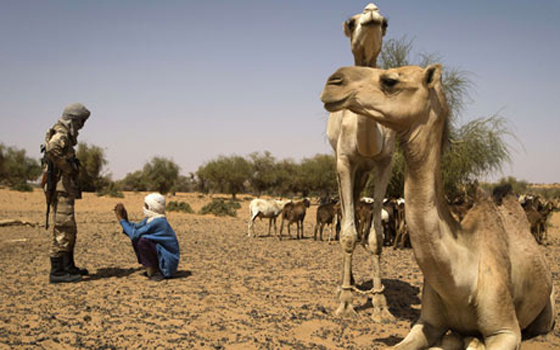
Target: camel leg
x=300 y=224
x=348 y=235
x=274 y=220
x=429 y=328
x=544 y=323
x=269 y=225
x=375 y=243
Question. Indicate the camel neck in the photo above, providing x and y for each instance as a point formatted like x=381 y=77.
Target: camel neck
x=427 y=215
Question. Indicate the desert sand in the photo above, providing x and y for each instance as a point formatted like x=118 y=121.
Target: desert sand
x=231 y=291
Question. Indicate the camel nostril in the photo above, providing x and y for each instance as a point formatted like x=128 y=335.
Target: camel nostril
x=335 y=80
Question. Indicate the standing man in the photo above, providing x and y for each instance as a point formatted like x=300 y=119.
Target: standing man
x=59 y=150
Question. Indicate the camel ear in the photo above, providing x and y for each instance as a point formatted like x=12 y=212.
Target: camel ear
x=384 y=25
x=349 y=26
x=432 y=75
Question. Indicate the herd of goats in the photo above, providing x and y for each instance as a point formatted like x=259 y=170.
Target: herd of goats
x=395 y=231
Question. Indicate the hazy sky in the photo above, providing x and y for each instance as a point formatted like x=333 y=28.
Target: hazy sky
x=191 y=80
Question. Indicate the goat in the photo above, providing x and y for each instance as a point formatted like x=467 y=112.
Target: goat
x=364 y=216
x=327 y=214
x=402 y=238
x=294 y=212
x=265 y=208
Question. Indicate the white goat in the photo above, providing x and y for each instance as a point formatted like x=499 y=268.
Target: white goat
x=265 y=208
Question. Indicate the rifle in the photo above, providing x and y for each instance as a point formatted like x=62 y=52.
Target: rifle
x=48 y=182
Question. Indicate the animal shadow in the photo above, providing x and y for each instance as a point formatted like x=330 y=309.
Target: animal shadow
x=400 y=297
x=109 y=272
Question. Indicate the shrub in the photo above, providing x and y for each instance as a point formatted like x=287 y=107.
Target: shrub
x=111 y=190
x=179 y=206
x=22 y=187
x=220 y=207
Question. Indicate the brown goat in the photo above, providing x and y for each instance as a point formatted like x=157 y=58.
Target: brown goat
x=326 y=215
x=294 y=212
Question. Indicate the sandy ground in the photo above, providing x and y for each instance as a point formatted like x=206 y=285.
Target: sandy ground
x=231 y=292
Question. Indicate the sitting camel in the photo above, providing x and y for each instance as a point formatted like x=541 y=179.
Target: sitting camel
x=484 y=276
x=362 y=145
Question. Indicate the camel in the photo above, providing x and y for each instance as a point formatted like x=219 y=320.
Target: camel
x=361 y=145
x=484 y=276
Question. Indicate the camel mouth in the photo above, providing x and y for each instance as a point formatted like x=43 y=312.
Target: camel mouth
x=335 y=106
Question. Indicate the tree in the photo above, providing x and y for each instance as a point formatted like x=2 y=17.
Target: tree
x=133 y=182
x=471 y=150
x=264 y=177
x=318 y=175
x=16 y=169
x=92 y=160
x=226 y=174
x=160 y=174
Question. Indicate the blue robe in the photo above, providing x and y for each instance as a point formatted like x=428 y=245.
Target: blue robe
x=160 y=232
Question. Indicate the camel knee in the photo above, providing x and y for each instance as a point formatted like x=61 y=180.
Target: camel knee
x=348 y=242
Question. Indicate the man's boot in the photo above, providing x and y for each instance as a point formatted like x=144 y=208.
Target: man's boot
x=59 y=273
x=72 y=267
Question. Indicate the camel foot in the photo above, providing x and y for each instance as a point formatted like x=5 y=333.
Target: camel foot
x=382 y=315
x=381 y=312
x=345 y=309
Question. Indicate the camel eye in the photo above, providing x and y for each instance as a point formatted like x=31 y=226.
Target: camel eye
x=388 y=82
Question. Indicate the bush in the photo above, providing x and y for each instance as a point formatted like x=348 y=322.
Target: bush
x=160 y=174
x=16 y=168
x=22 y=187
x=92 y=160
x=220 y=207
x=180 y=206
x=111 y=190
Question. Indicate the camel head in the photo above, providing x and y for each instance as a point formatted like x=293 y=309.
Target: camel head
x=398 y=98
x=366 y=31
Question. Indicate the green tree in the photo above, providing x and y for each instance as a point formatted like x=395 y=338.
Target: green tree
x=160 y=174
x=226 y=174
x=287 y=173
x=92 y=160
x=264 y=177
x=133 y=182
x=317 y=175
x=16 y=169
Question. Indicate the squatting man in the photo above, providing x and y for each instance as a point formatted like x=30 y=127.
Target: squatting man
x=153 y=239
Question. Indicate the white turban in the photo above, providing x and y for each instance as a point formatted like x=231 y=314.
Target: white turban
x=156 y=206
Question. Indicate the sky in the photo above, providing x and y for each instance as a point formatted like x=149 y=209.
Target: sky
x=191 y=80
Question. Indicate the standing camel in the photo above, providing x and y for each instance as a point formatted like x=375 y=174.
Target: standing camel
x=483 y=276
x=362 y=145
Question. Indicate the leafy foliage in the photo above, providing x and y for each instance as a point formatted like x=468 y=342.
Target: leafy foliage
x=226 y=174
x=92 y=160
x=179 y=206
x=160 y=174
x=16 y=169
x=220 y=207
x=110 y=190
